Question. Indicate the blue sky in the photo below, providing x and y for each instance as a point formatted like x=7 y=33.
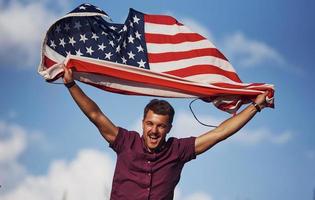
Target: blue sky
x=48 y=149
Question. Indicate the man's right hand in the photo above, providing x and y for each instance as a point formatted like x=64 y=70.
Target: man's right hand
x=67 y=76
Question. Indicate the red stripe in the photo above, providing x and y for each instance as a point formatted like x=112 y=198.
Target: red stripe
x=201 y=91
x=48 y=62
x=204 y=69
x=161 y=19
x=172 y=39
x=171 y=56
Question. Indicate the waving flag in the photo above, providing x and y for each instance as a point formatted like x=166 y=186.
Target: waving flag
x=152 y=55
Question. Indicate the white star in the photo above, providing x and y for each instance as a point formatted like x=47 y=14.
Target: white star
x=104 y=33
x=124 y=44
x=62 y=42
x=113 y=28
x=131 y=55
x=118 y=40
x=136 y=19
x=138 y=35
x=140 y=48
x=68 y=53
x=101 y=47
x=131 y=24
x=83 y=38
x=94 y=36
x=89 y=50
x=67 y=27
x=130 y=39
x=72 y=41
x=141 y=64
x=118 y=49
x=108 y=55
x=78 y=53
x=125 y=28
x=111 y=43
x=77 y=25
x=82 y=8
x=52 y=44
x=58 y=29
x=124 y=60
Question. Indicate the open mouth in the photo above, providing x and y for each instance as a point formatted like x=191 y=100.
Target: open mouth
x=153 y=139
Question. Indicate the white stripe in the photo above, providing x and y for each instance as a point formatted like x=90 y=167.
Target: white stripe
x=129 y=86
x=53 y=55
x=181 y=64
x=165 y=29
x=211 y=78
x=184 y=46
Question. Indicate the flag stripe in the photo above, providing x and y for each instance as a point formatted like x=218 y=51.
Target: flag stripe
x=203 y=69
x=165 y=29
x=169 y=56
x=172 y=39
x=183 y=63
x=184 y=46
x=161 y=19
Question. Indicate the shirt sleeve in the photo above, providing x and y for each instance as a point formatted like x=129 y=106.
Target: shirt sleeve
x=123 y=140
x=186 y=149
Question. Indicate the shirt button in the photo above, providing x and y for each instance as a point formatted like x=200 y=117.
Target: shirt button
x=149 y=162
x=149 y=174
x=148 y=189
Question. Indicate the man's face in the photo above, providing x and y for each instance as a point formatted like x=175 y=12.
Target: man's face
x=155 y=127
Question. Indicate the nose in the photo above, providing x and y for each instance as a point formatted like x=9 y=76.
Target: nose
x=154 y=129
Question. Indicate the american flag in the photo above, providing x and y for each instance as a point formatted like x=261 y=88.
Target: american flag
x=153 y=55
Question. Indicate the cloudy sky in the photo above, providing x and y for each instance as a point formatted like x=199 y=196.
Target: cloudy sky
x=49 y=150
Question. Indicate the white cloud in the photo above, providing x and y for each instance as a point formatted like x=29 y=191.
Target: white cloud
x=12 y=144
x=194 y=196
x=246 y=52
x=22 y=28
x=198 y=28
x=88 y=176
x=260 y=135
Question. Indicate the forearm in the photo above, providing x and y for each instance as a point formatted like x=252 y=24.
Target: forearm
x=88 y=107
x=235 y=123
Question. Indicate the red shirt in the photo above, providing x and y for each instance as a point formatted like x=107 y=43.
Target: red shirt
x=142 y=175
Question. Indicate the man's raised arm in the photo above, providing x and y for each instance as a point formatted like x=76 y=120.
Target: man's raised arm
x=108 y=130
x=229 y=126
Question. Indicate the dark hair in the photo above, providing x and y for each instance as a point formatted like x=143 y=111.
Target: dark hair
x=160 y=107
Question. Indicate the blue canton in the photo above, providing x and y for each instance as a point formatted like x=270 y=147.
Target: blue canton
x=94 y=37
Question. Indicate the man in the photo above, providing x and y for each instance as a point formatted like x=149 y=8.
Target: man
x=149 y=167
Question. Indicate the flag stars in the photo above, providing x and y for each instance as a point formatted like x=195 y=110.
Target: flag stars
x=67 y=27
x=131 y=55
x=82 y=8
x=118 y=49
x=136 y=19
x=111 y=42
x=101 y=47
x=108 y=55
x=131 y=39
x=52 y=44
x=62 y=42
x=58 y=29
x=138 y=35
x=124 y=60
x=78 y=53
x=89 y=50
x=140 y=49
x=83 y=38
x=130 y=24
x=77 y=25
x=72 y=41
x=124 y=28
x=94 y=36
x=141 y=63
x=113 y=28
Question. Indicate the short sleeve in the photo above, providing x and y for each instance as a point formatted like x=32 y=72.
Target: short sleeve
x=123 y=140
x=186 y=149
